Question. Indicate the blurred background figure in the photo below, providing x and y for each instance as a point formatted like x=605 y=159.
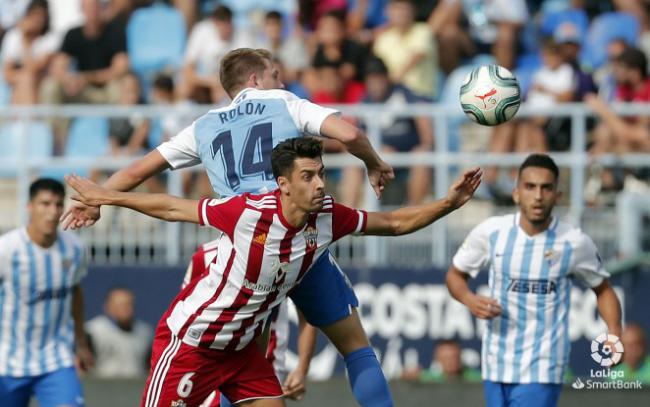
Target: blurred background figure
x=408 y=50
x=446 y=366
x=636 y=360
x=398 y=134
x=208 y=42
x=121 y=343
x=128 y=135
x=27 y=50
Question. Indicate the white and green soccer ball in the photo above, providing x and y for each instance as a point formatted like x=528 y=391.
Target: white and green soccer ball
x=490 y=95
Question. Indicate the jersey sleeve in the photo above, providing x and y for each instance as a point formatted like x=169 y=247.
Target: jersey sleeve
x=474 y=253
x=307 y=116
x=346 y=221
x=181 y=151
x=222 y=214
x=588 y=267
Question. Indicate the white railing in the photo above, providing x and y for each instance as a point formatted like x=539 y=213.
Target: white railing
x=372 y=250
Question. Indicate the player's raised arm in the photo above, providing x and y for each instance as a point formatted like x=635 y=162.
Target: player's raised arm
x=161 y=206
x=356 y=142
x=409 y=219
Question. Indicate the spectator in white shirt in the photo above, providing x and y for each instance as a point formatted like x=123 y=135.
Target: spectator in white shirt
x=26 y=52
x=209 y=41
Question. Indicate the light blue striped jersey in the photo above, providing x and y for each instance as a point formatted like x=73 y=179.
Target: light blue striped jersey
x=531 y=278
x=36 y=325
x=234 y=143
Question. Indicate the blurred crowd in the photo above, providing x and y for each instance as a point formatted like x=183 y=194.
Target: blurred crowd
x=392 y=52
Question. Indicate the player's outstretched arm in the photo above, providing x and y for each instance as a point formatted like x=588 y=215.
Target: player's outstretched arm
x=356 y=142
x=409 y=219
x=609 y=307
x=80 y=215
x=161 y=206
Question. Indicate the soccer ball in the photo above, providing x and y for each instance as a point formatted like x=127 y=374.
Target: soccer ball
x=490 y=95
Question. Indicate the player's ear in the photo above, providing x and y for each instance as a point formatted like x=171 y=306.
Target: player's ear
x=283 y=183
x=515 y=195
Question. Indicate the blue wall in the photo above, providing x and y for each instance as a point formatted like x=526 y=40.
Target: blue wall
x=404 y=311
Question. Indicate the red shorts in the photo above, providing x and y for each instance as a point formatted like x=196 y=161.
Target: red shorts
x=183 y=376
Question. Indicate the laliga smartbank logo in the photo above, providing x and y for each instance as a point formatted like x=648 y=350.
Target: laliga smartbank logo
x=606 y=350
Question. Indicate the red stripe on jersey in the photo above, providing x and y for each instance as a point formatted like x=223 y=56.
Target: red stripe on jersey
x=271 y=297
x=253 y=269
x=310 y=251
x=222 y=284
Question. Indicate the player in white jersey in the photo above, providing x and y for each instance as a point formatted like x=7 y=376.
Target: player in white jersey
x=41 y=306
x=293 y=383
x=533 y=259
x=234 y=144
x=269 y=243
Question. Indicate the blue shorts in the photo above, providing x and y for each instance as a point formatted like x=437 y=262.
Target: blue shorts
x=325 y=294
x=58 y=388
x=521 y=395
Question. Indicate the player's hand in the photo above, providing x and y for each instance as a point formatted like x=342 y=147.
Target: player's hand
x=79 y=215
x=88 y=193
x=464 y=187
x=84 y=359
x=379 y=176
x=483 y=307
x=294 y=386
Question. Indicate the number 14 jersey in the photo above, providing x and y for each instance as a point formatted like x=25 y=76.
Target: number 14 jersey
x=234 y=142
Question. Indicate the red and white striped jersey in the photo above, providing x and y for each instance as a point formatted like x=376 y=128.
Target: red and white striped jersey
x=279 y=329
x=260 y=258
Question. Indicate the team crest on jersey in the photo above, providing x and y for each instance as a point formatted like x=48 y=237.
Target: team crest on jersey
x=179 y=403
x=551 y=256
x=311 y=234
x=260 y=239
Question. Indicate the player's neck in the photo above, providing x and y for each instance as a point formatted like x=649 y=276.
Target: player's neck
x=43 y=240
x=532 y=228
x=295 y=216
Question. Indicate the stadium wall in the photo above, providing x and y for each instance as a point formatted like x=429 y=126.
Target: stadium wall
x=404 y=311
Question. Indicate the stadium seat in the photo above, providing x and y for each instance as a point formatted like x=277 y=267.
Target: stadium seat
x=527 y=65
x=605 y=28
x=155 y=136
x=87 y=138
x=155 y=37
x=40 y=144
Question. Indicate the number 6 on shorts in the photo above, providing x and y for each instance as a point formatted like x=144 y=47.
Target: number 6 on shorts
x=185 y=385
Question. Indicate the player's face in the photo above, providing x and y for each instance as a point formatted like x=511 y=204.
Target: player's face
x=307 y=184
x=536 y=194
x=120 y=306
x=270 y=78
x=45 y=209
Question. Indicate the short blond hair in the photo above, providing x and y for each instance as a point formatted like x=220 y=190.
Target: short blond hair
x=239 y=64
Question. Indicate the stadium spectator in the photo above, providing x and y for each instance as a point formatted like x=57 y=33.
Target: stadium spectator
x=493 y=26
x=446 y=366
x=163 y=93
x=617 y=134
x=408 y=50
x=311 y=11
x=27 y=49
x=209 y=41
x=10 y=14
x=42 y=335
x=333 y=48
x=636 y=360
x=97 y=51
x=365 y=17
x=128 y=135
x=445 y=24
x=398 y=134
x=605 y=77
x=333 y=89
x=569 y=40
x=121 y=343
x=290 y=51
